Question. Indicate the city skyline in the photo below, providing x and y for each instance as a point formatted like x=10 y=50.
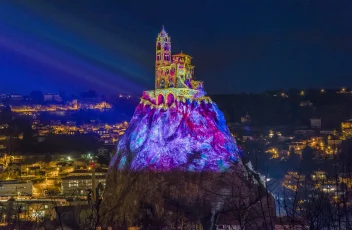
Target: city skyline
x=252 y=46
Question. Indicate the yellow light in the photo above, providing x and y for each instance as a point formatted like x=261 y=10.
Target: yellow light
x=322 y=90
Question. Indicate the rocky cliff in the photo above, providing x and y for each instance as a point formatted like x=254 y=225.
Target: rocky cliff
x=190 y=135
x=176 y=165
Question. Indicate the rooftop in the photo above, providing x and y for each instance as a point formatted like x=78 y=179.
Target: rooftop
x=83 y=177
x=12 y=182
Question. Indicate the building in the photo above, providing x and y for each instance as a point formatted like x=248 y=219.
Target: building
x=31 y=170
x=346 y=128
x=57 y=98
x=315 y=123
x=83 y=172
x=125 y=96
x=327 y=132
x=79 y=185
x=16 y=188
x=37 y=210
x=297 y=146
x=227 y=222
x=346 y=178
x=52 y=97
x=306 y=104
x=173 y=71
x=14 y=169
x=304 y=133
x=48 y=97
x=334 y=141
x=319 y=176
x=16 y=97
x=246 y=119
x=292 y=223
x=4 y=126
x=71 y=123
x=293 y=180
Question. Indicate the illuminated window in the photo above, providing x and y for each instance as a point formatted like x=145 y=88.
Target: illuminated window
x=73 y=183
x=166 y=57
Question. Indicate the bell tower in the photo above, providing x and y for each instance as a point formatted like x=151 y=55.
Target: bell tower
x=163 y=55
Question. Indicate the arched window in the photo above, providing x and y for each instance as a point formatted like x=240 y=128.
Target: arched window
x=166 y=57
x=166 y=47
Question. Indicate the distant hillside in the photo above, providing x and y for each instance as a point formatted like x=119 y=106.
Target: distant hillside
x=289 y=108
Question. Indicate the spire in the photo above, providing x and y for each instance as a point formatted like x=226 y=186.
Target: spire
x=163 y=32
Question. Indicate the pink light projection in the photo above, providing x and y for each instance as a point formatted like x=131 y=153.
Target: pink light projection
x=176 y=126
x=187 y=136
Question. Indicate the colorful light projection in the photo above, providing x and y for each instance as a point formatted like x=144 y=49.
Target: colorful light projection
x=190 y=136
x=176 y=128
x=175 y=72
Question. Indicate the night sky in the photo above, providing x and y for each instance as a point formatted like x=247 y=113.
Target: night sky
x=237 y=45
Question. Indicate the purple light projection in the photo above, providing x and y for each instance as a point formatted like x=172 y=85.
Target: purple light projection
x=187 y=136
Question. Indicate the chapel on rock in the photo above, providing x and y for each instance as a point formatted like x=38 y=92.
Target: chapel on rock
x=173 y=70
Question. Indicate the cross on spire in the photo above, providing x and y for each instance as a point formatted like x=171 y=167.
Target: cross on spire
x=163 y=32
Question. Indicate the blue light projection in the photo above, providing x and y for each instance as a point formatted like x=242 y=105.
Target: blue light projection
x=185 y=137
x=48 y=49
x=176 y=128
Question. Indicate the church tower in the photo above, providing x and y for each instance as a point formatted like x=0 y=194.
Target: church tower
x=163 y=57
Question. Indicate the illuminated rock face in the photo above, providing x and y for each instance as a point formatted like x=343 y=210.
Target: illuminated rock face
x=168 y=161
x=176 y=126
x=188 y=135
x=170 y=157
